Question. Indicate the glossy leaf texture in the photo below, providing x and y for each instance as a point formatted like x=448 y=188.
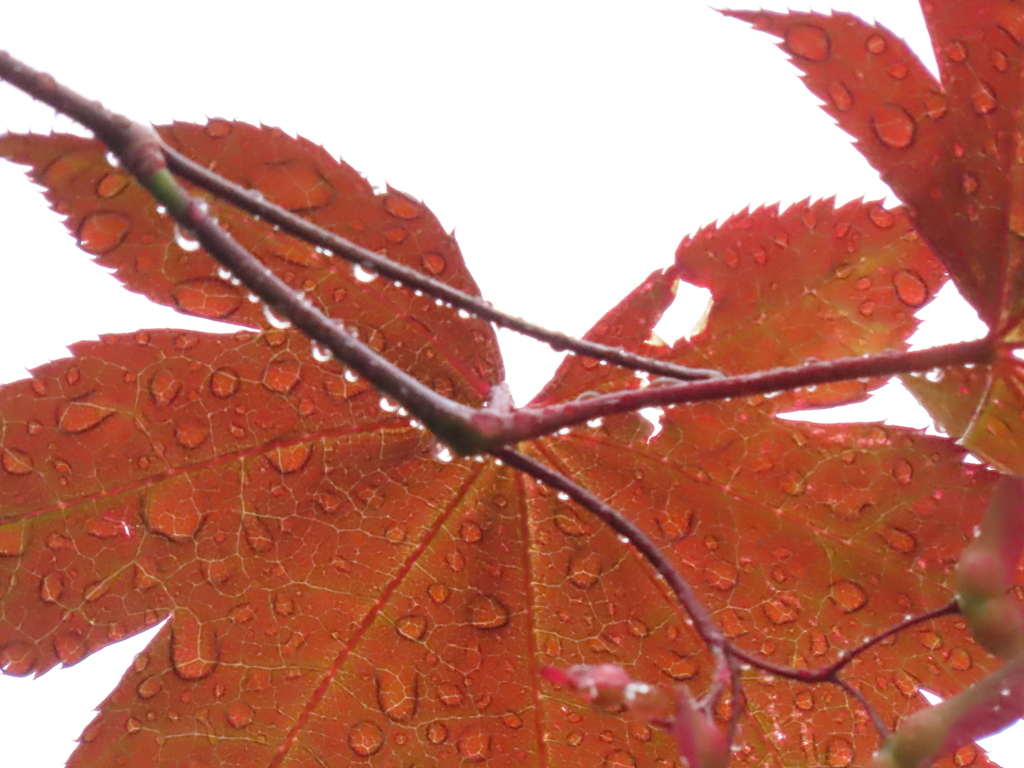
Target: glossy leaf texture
x=953 y=152
x=339 y=593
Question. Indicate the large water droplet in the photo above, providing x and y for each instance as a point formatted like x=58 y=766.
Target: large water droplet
x=584 y=569
x=839 y=752
x=438 y=593
x=80 y=417
x=474 y=745
x=365 y=738
x=808 y=42
x=437 y=733
x=677 y=666
x=840 y=96
x=961 y=660
x=172 y=509
x=282 y=375
x=191 y=434
x=486 y=612
x=449 y=694
x=70 y=647
x=239 y=714
x=398 y=693
x=911 y=288
x=983 y=99
x=780 y=612
x=102 y=232
x=401 y=206
x=15 y=462
x=288 y=459
x=903 y=472
x=149 y=688
x=849 y=596
x=111 y=185
x=804 y=699
x=18 y=658
x=194 y=649
x=898 y=539
x=207 y=297
x=51 y=587
x=163 y=388
x=184 y=239
x=876 y=44
x=412 y=627
x=433 y=262
x=894 y=126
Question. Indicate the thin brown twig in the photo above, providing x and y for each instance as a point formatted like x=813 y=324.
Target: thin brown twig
x=829 y=672
x=527 y=423
x=311 y=233
x=883 y=732
x=702 y=623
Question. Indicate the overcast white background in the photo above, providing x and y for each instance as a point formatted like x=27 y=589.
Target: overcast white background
x=569 y=144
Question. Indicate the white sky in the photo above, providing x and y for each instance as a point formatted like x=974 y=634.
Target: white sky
x=570 y=144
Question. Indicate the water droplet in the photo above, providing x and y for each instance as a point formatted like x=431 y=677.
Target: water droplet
x=132 y=725
x=910 y=288
x=794 y=484
x=80 y=417
x=70 y=647
x=486 y=612
x=470 y=532
x=983 y=99
x=720 y=576
x=365 y=738
x=172 y=509
x=449 y=694
x=512 y=720
x=402 y=206
x=849 y=596
x=584 y=569
x=288 y=459
x=1000 y=61
x=95 y=591
x=218 y=128
x=362 y=274
x=101 y=232
x=905 y=683
x=275 y=320
x=619 y=759
x=256 y=533
x=111 y=185
x=149 y=688
x=51 y=587
x=207 y=297
x=779 y=611
x=15 y=462
x=455 y=561
x=839 y=752
x=894 y=126
x=437 y=733
x=881 y=218
x=678 y=667
x=808 y=42
x=574 y=738
x=194 y=650
x=898 y=71
x=412 y=627
x=956 y=52
x=163 y=388
x=898 y=539
x=867 y=308
x=239 y=714
x=398 y=694
x=966 y=755
x=395 y=533
x=960 y=660
x=840 y=96
x=242 y=614
x=282 y=375
x=185 y=239
x=474 y=745
x=438 y=593
x=876 y=44
x=224 y=382
x=191 y=434
x=903 y=472
x=320 y=354
x=804 y=699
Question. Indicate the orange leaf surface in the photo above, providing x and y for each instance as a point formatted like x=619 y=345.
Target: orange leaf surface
x=339 y=592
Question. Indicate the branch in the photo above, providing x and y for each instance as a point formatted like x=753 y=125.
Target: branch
x=311 y=233
x=140 y=152
x=527 y=423
x=702 y=622
x=829 y=673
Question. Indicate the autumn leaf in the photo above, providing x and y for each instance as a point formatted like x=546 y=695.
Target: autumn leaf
x=952 y=151
x=340 y=591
